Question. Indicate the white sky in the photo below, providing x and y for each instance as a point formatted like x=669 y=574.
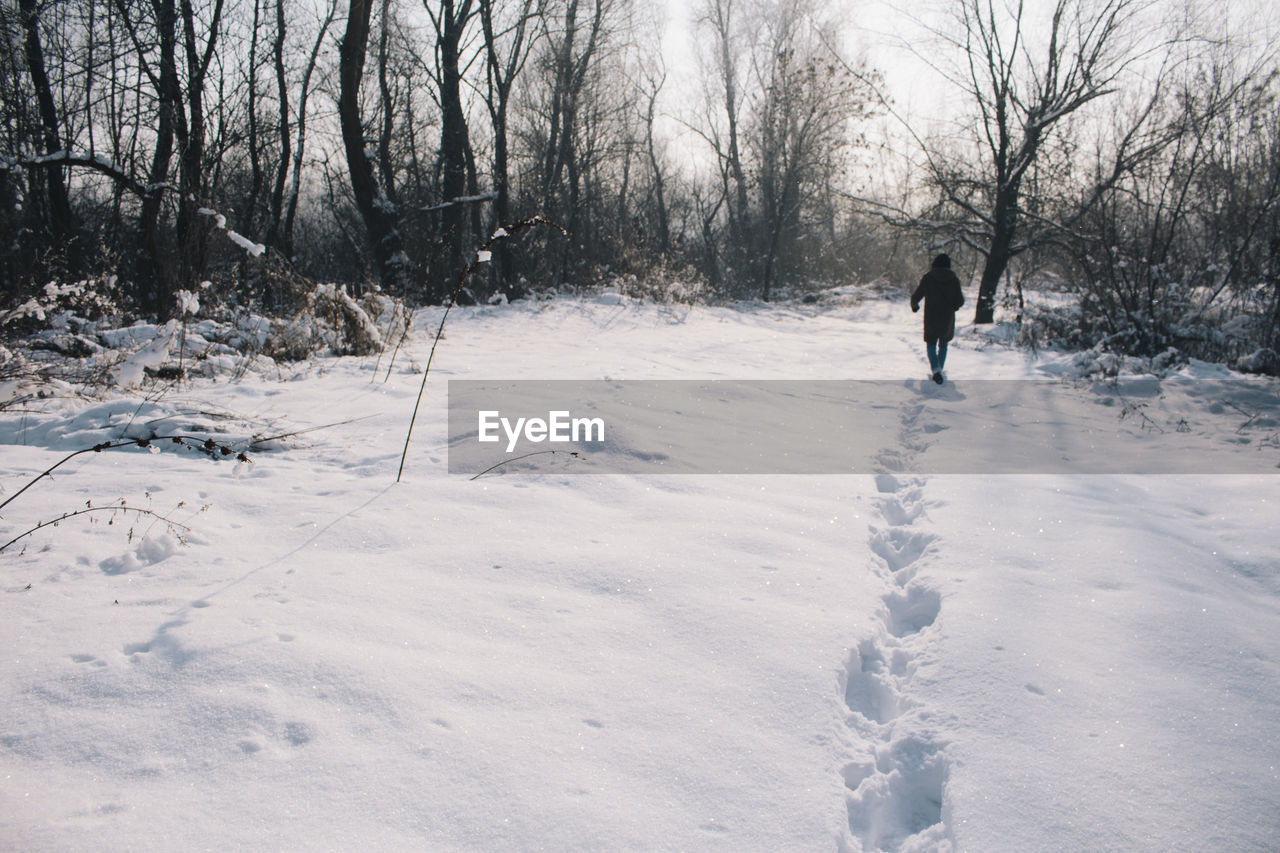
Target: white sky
x=893 y=36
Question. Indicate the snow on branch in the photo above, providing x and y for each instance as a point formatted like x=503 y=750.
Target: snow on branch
x=466 y=199
x=220 y=221
x=87 y=161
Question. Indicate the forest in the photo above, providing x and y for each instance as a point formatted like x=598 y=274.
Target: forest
x=1120 y=156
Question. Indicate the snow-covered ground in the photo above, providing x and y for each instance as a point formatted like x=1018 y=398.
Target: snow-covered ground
x=559 y=660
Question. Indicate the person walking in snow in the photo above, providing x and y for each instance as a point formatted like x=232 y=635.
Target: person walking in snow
x=942 y=297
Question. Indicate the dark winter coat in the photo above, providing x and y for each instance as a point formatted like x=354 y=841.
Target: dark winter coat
x=940 y=291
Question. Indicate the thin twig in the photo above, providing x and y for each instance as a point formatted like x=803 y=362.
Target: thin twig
x=575 y=454
x=502 y=233
x=257 y=441
x=208 y=445
x=391 y=327
x=113 y=508
x=1137 y=409
x=1252 y=417
x=404 y=336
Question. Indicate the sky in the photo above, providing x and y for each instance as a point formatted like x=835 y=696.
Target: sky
x=875 y=31
x=894 y=39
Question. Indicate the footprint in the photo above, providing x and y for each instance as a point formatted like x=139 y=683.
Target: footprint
x=895 y=791
x=298 y=734
x=899 y=547
x=899 y=512
x=869 y=689
x=899 y=807
x=911 y=414
x=89 y=659
x=912 y=610
x=892 y=460
x=857 y=772
x=886 y=483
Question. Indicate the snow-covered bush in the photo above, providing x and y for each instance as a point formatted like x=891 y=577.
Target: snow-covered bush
x=664 y=285
x=48 y=347
x=1259 y=361
x=89 y=297
x=332 y=320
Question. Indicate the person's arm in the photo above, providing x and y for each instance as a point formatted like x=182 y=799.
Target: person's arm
x=958 y=291
x=917 y=296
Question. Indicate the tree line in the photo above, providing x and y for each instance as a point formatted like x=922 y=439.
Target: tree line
x=379 y=141
x=1130 y=154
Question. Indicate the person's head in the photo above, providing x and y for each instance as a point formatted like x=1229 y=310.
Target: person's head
x=943 y=260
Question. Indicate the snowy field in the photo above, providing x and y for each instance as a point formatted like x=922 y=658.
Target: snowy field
x=547 y=659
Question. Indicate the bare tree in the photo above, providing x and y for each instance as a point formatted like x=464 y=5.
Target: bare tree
x=780 y=150
x=249 y=207
x=304 y=93
x=571 y=122
x=573 y=40
x=507 y=45
x=451 y=21
x=653 y=81
x=153 y=266
x=803 y=125
x=730 y=53
x=377 y=209
x=181 y=118
x=1188 y=242
x=61 y=222
x=1023 y=84
x=192 y=234
x=275 y=213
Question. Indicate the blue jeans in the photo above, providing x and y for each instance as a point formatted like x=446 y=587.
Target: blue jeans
x=937 y=354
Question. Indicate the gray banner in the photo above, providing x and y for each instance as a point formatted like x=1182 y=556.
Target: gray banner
x=1138 y=426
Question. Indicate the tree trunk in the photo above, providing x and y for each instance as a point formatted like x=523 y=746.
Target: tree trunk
x=502 y=72
x=453 y=144
x=273 y=235
x=738 y=205
x=1005 y=220
x=660 y=201
x=152 y=265
x=385 y=169
x=62 y=223
x=501 y=183
x=250 y=204
x=193 y=235
x=377 y=211
x=291 y=205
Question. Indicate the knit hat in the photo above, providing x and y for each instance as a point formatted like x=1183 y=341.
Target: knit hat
x=943 y=260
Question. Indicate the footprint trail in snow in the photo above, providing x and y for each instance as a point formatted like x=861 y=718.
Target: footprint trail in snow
x=897 y=770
